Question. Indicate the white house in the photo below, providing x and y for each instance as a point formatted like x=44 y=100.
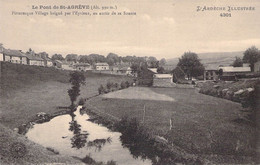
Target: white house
x=13 y=56
x=101 y=66
x=34 y=60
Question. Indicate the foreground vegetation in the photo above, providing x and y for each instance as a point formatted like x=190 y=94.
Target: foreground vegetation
x=199 y=124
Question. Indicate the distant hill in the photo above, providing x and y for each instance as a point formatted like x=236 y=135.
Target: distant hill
x=213 y=59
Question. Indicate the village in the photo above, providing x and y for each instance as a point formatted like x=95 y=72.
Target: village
x=159 y=73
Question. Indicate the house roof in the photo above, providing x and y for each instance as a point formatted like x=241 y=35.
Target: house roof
x=101 y=64
x=235 y=69
x=11 y=52
x=154 y=70
x=32 y=57
x=162 y=76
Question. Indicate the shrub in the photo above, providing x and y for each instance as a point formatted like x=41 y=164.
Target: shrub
x=127 y=84
x=101 y=89
x=110 y=85
x=116 y=85
x=123 y=85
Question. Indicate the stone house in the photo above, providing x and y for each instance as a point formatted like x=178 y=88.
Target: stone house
x=211 y=73
x=163 y=80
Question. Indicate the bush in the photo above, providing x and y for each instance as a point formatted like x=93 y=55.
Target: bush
x=101 y=89
x=110 y=85
x=123 y=85
x=116 y=85
x=127 y=84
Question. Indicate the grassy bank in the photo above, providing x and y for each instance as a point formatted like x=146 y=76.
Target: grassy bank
x=32 y=154
x=27 y=90
x=200 y=124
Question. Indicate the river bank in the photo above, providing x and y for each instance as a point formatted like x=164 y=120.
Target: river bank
x=141 y=142
x=32 y=153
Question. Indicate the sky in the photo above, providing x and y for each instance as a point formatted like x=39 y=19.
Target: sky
x=164 y=29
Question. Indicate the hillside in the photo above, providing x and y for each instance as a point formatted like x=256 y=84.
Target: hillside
x=213 y=59
x=16 y=76
x=28 y=90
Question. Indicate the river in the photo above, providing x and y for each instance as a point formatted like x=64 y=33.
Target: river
x=73 y=135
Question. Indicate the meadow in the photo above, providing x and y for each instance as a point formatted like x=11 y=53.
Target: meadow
x=199 y=124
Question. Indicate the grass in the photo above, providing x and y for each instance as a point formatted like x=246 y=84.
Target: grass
x=28 y=90
x=200 y=124
x=35 y=154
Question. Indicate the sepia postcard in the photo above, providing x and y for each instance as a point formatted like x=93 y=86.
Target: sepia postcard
x=129 y=82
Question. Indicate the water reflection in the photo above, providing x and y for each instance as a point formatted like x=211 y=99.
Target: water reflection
x=73 y=135
x=99 y=143
x=79 y=139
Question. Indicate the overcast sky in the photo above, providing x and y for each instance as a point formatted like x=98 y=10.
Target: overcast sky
x=162 y=29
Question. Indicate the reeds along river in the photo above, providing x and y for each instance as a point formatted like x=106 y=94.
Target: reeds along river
x=73 y=135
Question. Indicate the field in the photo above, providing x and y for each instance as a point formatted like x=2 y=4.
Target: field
x=200 y=124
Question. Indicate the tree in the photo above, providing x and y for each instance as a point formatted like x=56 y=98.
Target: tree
x=112 y=59
x=135 y=67
x=160 y=70
x=251 y=56
x=191 y=65
x=238 y=62
x=57 y=57
x=43 y=55
x=162 y=62
x=71 y=57
x=76 y=79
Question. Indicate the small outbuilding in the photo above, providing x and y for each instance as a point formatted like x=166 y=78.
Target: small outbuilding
x=163 y=80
